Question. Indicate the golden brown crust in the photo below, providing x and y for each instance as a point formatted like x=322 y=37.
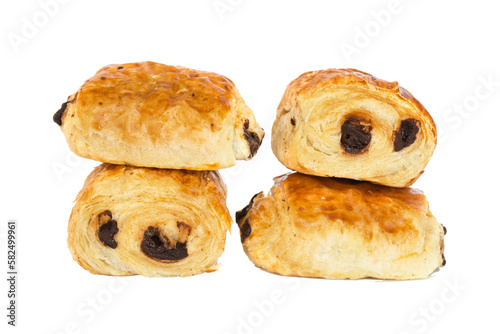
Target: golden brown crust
x=349 y=76
x=307 y=133
x=185 y=210
x=336 y=228
x=155 y=115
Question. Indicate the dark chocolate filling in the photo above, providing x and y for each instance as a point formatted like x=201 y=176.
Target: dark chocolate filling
x=355 y=136
x=252 y=138
x=57 y=118
x=406 y=135
x=245 y=230
x=243 y=212
x=108 y=230
x=156 y=245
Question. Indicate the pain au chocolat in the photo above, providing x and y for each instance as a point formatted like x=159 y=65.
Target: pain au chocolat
x=347 y=123
x=154 y=115
x=341 y=229
x=146 y=221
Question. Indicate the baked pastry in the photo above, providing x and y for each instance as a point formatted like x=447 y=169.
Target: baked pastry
x=151 y=222
x=338 y=228
x=153 y=115
x=347 y=123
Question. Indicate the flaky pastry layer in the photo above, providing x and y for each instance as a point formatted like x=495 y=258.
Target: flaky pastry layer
x=341 y=229
x=347 y=123
x=151 y=222
x=154 y=115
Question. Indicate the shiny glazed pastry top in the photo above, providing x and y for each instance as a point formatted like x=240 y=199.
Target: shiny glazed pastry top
x=153 y=115
x=347 y=123
x=342 y=229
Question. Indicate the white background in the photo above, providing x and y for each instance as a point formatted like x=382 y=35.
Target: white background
x=441 y=51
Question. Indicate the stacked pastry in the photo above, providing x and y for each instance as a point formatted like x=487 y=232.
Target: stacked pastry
x=157 y=205
x=357 y=142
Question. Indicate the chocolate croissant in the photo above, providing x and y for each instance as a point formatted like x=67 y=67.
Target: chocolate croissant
x=347 y=123
x=153 y=115
x=341 y=229
x=151 y=222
